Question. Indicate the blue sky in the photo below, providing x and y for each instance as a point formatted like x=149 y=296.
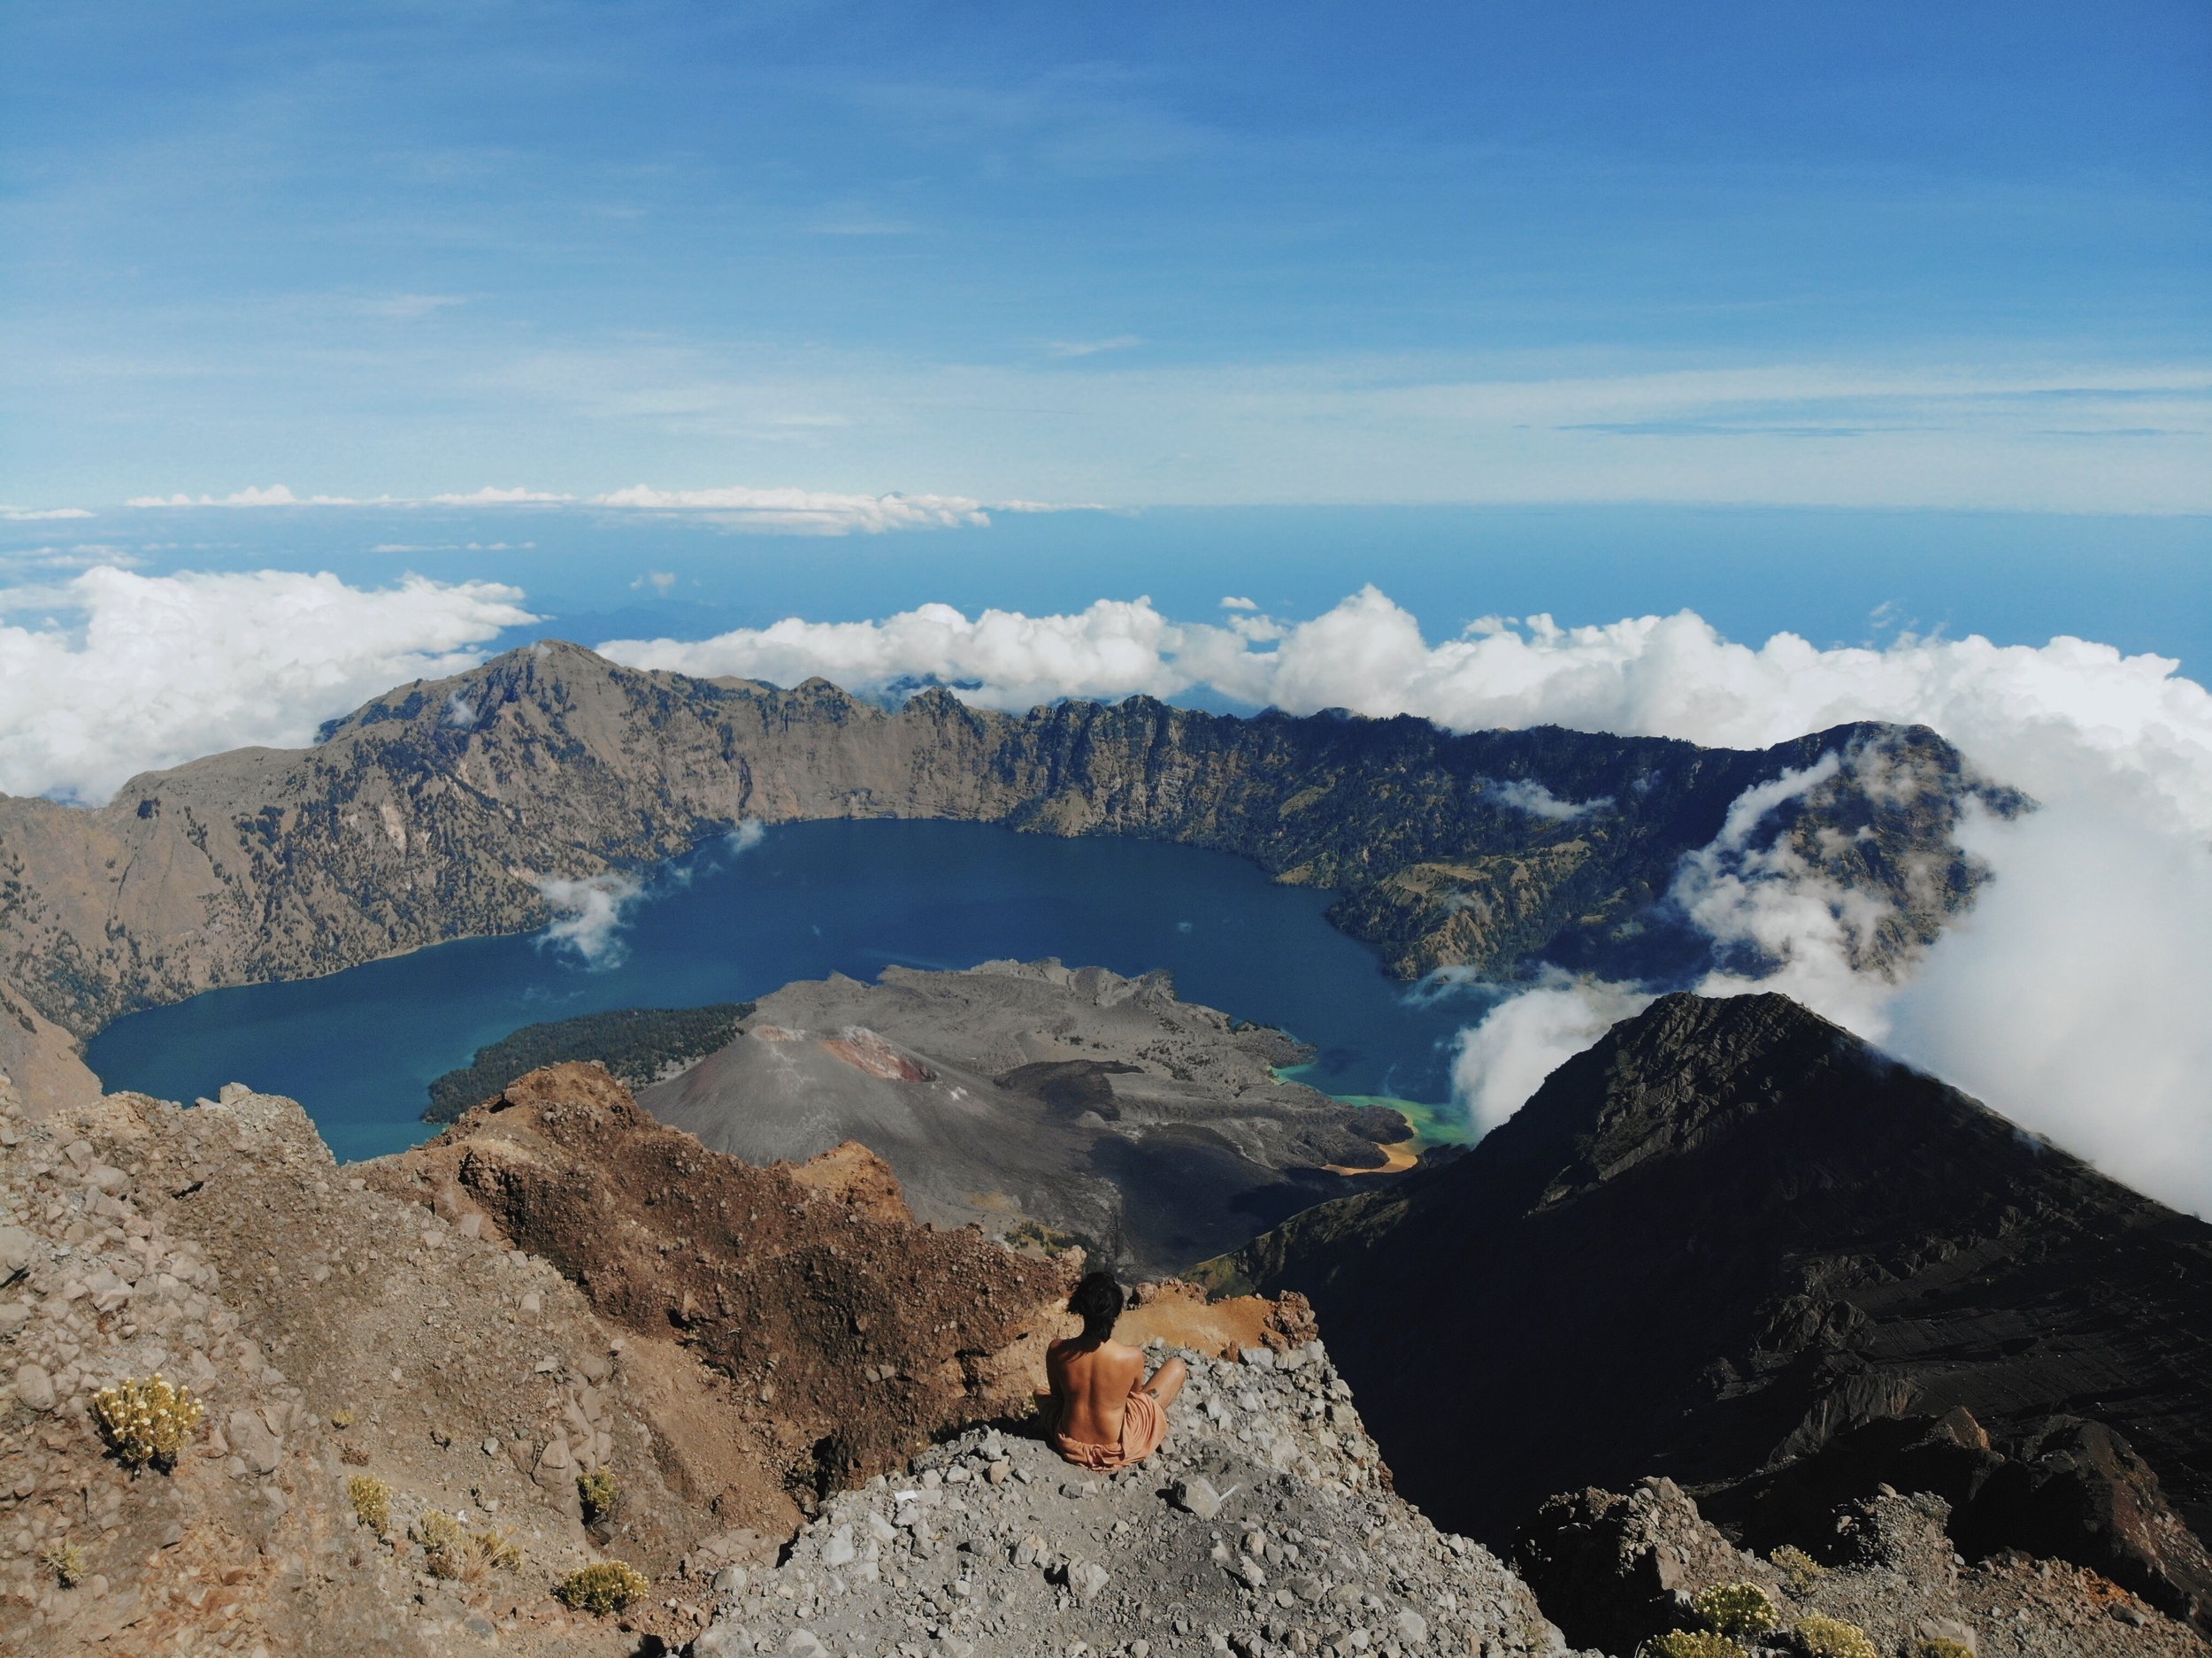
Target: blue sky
x=1886 y=256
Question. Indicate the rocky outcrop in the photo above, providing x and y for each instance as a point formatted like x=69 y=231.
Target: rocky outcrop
x=1615 y=1569
x=1036 y=1099
x=855 y=1332
x=745 y=1367
x=337 y=1330
x=438 y=811
x=1729 y=1234
x=1264 y=1526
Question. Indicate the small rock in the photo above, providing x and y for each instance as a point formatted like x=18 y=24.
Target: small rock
x=33 y=1387
x=1197 y=1495
x=1087 y=1579
x=532 y=1302
x=1000 y=1471
x=839 y=1551
x=491 y=1445
x=1258 y=1358
x=18 y=1250
x=1413 y=1626
x=801 y=1643
x=250 y=1437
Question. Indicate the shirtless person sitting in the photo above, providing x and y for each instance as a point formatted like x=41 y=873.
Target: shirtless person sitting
x=1105 y=1414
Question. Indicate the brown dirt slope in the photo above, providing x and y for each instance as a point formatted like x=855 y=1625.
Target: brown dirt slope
x=853 y=1331
x=381 y=1322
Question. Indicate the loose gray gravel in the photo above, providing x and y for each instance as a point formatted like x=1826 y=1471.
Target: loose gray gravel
x=1261 y=1528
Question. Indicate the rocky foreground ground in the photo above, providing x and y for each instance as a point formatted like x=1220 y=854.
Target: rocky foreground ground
x=435 y=1386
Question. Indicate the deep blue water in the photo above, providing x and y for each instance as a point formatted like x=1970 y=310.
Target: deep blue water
x=358 y=1048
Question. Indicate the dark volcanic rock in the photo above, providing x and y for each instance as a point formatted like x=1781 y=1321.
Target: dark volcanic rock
x=1729 y=1234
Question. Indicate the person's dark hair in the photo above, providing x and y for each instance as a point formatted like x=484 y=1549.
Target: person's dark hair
x=1098 y=1300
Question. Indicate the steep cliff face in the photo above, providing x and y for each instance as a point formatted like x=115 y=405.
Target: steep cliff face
x=435 y=812
x=1726 y=1241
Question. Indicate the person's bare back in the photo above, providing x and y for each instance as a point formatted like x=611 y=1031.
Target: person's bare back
x=1105 y=1413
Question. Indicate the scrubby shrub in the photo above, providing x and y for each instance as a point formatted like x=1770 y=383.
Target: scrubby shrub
x=608 y=1586
x=1832 y=1638
x=1690 y=1642
x=452 y=1551
x=1937 y=1646
x=371 y=1500
x=1736 y=1608
x=65 y=1560
x=146 y=1422
x=599 y=1493
x=341 y=1418
x=1800 y=1570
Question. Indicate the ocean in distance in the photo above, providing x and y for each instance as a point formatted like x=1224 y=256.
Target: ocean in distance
x=358 y=1048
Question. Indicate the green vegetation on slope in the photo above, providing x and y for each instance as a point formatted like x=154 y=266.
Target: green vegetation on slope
x=636 y=1044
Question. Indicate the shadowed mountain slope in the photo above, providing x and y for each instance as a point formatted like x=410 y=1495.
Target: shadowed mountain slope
x=1729 y=1236
x=437 y=811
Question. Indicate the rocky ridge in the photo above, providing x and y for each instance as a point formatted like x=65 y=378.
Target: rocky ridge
x=1825 y=1270
x=438 y=811
x=1618 y=1568
x=809 y=1442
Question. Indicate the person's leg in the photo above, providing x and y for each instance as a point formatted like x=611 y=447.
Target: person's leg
x=1167 y=1381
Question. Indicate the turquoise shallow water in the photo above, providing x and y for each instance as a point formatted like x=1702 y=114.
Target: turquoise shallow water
x=358 y=1048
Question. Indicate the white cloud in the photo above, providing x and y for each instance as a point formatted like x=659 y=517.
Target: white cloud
x=1502 y=1060
x=493 y=495
x=734 y=506
x=588 y=914
x=38 y=515
x=254 y=495
x=2074 y=997
x=659 y=581
x=1015 y=660
x=1527 y=795
x=1092 y=348
x=157 y=669
x=1233 y=603
x=814 y=512
x=2118 y=748
x=411 y=307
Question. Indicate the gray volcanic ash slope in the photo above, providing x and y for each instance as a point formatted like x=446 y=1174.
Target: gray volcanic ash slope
x=1028 y=1096
x=1733 y=1244
x=436 y=811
